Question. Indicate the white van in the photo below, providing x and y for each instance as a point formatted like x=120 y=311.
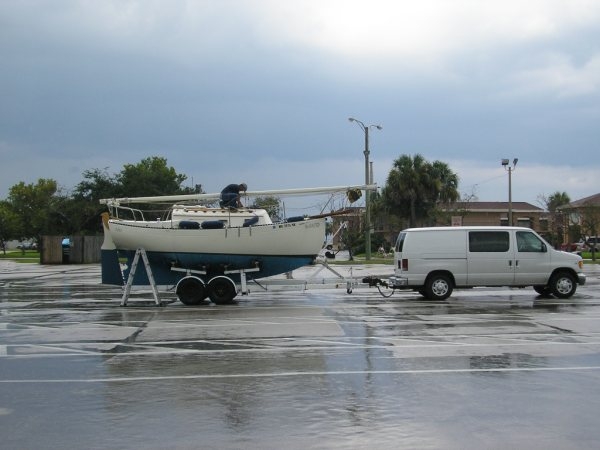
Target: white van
x=434 y=261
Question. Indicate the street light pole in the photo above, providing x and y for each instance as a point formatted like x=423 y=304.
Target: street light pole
x=507 y=166
x=368 y=180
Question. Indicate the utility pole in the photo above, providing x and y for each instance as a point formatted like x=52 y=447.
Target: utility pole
x=368 y=170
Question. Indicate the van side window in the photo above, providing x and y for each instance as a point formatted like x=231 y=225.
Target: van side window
x=489 y=241
x=529 y=242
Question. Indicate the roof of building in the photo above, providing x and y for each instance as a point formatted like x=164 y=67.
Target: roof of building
x=495 y=206
x=592 y=200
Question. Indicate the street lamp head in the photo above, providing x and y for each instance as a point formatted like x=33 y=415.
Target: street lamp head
x=515 y=161
x=359 y=123
x=379 y=127
x=505 y=161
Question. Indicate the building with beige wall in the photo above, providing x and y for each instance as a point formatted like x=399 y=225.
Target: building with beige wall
x=496 y=214
x=461 y=213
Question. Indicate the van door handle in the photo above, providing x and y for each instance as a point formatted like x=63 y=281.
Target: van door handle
x=510 y=263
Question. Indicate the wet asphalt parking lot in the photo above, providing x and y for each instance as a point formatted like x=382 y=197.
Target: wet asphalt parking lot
x=317 y=368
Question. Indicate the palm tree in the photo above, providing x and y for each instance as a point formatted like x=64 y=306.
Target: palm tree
x=557 y=199
x=406 y=185
x=557 y=218
x=446 y=183
x=416 y=187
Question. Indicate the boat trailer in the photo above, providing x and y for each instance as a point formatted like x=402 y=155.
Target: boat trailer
x=191 y=289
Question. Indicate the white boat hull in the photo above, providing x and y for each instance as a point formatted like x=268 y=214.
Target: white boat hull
x=305 y=237
x=273 y=248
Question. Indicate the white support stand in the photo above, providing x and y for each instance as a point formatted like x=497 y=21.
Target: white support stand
x=136 y=258
x=242 y=273
x=188 y=272
x=325 y=265
x=350 y=282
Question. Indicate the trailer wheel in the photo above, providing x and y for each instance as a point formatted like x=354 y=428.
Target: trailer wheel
x=438 y=287
x=221 y=290
x=563 y=285
x=191 y=290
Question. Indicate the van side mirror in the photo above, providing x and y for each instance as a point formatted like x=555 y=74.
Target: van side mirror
x=544 y=248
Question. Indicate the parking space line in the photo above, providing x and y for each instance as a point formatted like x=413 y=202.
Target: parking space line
x=306 y=373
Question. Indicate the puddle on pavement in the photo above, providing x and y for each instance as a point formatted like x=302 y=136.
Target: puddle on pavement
x=77 y=370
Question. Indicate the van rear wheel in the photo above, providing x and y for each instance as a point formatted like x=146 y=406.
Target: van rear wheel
x=563 y=285
x=438 y=287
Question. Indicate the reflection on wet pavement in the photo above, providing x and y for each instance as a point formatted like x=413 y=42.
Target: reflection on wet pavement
x=490 y=368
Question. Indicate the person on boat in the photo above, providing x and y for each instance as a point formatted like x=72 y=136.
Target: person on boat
x=230 y=195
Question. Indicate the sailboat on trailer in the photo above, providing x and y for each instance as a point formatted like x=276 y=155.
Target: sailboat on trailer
x=206 y=251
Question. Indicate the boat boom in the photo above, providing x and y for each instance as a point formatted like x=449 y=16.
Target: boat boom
x=187 y=197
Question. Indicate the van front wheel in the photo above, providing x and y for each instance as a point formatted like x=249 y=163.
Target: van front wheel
x=544 y=291
x=438 y=287
x=563 y=285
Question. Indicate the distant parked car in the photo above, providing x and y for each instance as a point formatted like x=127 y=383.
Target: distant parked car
x=573 y=247
x=593 y=242
x=27 y=246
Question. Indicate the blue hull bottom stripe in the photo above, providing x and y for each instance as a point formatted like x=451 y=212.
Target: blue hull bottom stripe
x=111 y=269
x=213 y=264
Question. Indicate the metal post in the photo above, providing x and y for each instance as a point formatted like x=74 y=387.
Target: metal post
x=507 y=166
x=368 y=177
x=367 y=200
x=510 y=214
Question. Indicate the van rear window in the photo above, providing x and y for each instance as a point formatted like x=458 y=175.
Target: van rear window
x=400 y=242
x=488 y=241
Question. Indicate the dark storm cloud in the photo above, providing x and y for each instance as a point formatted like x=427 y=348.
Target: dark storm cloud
x=263 y=86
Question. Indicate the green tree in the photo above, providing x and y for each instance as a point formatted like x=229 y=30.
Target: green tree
x=151 y=177
x=33 y=204
x=552 y=204
x=9 y=224
x=84 y=207
x=97 y=184
x=352 y=239
x=590 y=224
x=271 y=204
x=557 y=199
x=42 y=209
x=384 y=220
x=444 y=184
x=416 y=188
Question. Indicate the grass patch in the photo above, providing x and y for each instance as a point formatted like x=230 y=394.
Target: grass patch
x=587 y=258
x=360 y=259
x=29 y=256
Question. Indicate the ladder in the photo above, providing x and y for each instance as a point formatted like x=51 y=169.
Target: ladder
x=134 y=264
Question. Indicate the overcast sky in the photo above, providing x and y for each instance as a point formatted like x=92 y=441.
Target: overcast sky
x=261 y=90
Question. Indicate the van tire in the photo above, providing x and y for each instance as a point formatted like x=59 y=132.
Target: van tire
x=438 y=287
x=563 y=285
x=544 y=291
